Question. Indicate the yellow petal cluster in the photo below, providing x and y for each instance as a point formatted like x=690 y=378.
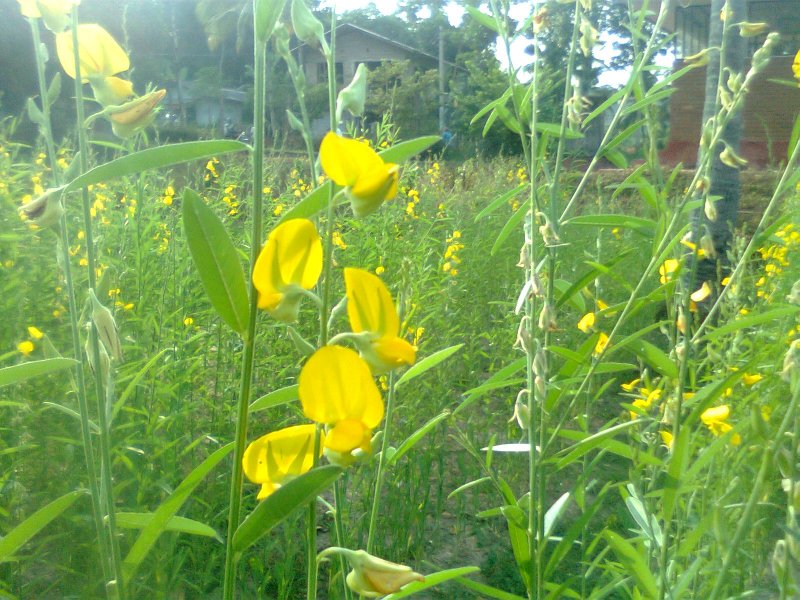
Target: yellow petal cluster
x=367 y=179
x=99 y=53
x=54 y=13
x=280 y=456
x=716 y=419
x=372 y=312
x=796 y=66
x=291 y=261
x=336 y=389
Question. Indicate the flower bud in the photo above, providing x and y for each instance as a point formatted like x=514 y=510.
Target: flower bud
x=791 y=362
x=131 y=117
x=352 y=97
x=523 y=340
x=731 y=159
x=46 y=210
x=103 y=362
x=371 y=576
x=521 y=412
x=707 y=245
x=547 y=318
x=307 y=27
x=794 y=294
x=700 y=59
x=589 y=36
x=710 y=209
x=107 y=331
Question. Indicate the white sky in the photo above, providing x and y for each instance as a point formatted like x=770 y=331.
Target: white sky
x=519 y=11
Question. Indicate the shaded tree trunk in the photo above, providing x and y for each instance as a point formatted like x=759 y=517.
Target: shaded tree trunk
x=725 y=181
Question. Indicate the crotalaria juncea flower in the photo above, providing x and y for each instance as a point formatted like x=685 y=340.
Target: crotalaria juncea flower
x=54 y=13
x=101 y=57
x=373 y=577
x=716 y=419
x=372 y=314
x=336 y=388
x=100 y=54
x=290 y=262
x=278 y=457
x=367 y=179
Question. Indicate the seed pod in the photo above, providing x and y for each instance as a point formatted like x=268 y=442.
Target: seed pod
x=107 y=331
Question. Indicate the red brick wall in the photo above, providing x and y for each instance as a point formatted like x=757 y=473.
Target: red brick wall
x=769 y=113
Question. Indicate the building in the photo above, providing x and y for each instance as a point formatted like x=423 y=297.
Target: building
x=356 y=45
x=770 y=107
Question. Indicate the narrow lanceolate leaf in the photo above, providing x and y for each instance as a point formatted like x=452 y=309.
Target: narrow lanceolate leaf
x=500 y=201
x=23 y=532
x=417 y=436
x=217 y=262
x=427 y=363
x=430 y=581
x=283 y=502
x=131 y=520
x=276 y=398
x=169 y=507
x=634 y=563
x=405 y=150
x=155 y=158
x=511 y=226
x=315 y=202
x=751 y=321
x=23 y=371
x=482 y=18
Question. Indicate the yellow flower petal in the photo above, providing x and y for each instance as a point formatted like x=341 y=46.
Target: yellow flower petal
x=291 y=259
x=336 y=385
x=278 y=457
x=667 y=269
x=394 y=351
x=701 y=294
x=368 y=180
x=99 y=53
x=35 y=332
x=369 y=304
x=25 y=348
x=796 y=66
x=586 y=322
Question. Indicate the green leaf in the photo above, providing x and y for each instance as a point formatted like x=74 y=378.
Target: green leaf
x=649 y=99
x=602 y=441
x=131 y=387
x=500 y=201
x=653 y=356
x=283 y=502
x=416 y=437
x=638 y=224
x=751 y=320
x=482 y=18
x=54 y=89
x=276 y=398
x=487 y=591
x=26 y=370
x=316 y=201
x=34 y=113
x=612 y=99
x=554 y=129
x=431 y=580
x=168 y=508
x=427 y=363
x=155 y=158
x=678 y=460
x=634 y=563
x=405 y=150
x=217 y=262
x=23 y=532
x=511 y=226
x=133 y=520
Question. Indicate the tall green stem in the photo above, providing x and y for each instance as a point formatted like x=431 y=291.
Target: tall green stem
x=105 y=434
x=83 y=405
x=249 y=340
x=376 y=497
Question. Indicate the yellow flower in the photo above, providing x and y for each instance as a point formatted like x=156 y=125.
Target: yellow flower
x=701 y=294
x=100 y=55
x=796 y=66
x=280 y=456
x=601 y=344
x=752 y=379
x=631 y=385
x=131 y=117
x=188 y=321
x=336 y=388
x=667 y=270
x=373 y=577
x=667 y=438
x=587 y=322
x=26 y=347
x=372 y=314
x=379 y=270
x=367 y=179
x=716 y=418
x=290 y=262
x=54 y=13
x=35 y=332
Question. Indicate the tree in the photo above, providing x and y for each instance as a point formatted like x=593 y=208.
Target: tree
x=724 y=179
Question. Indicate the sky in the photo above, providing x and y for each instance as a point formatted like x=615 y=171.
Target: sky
x=519 y=11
